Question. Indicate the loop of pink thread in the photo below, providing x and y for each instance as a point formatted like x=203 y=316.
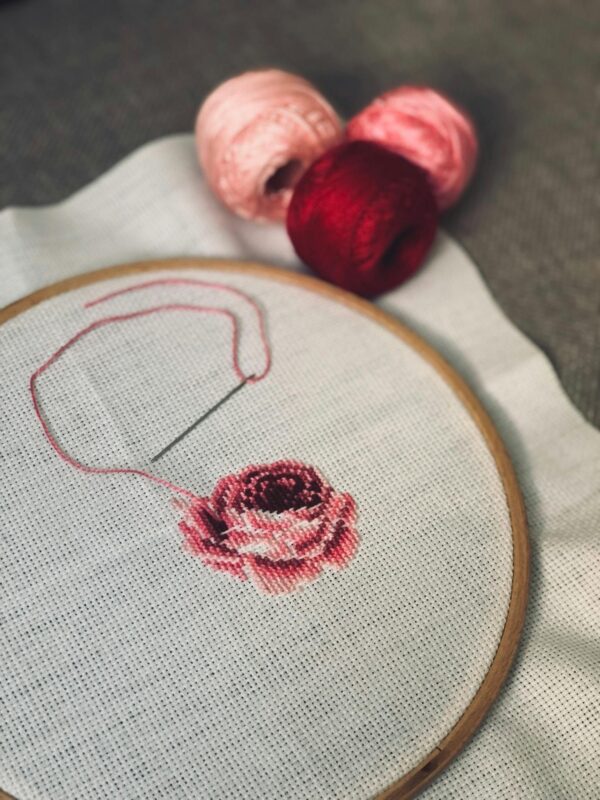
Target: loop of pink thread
x=103 y=321
x=205 y=285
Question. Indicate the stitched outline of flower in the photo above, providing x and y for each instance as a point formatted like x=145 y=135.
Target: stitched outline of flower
x=277 y=524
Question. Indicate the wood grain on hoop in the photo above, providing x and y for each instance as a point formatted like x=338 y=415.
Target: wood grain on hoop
x=409 y=784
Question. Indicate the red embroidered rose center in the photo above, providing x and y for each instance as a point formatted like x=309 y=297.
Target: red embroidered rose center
x=283 y=493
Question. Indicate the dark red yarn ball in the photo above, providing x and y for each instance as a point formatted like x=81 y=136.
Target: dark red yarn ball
x=363 y=217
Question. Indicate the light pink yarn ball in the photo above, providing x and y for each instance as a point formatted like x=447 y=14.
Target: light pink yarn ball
x=428 y=129
x=256 y=134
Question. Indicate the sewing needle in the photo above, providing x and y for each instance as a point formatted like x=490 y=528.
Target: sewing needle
x=204 y=416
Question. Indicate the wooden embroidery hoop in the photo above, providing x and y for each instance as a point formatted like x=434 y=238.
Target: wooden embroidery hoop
x=409 y=784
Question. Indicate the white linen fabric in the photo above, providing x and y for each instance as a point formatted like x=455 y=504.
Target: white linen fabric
x=88 y=711
x=333 y=691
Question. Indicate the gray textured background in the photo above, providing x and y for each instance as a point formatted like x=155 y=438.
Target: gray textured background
x=82 y=83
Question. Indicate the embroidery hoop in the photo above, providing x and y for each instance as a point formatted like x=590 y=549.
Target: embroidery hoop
x=409 y=784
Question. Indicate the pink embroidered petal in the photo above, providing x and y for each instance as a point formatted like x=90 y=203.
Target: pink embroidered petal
x=343 y=545
x=275 y=536
x=339 y=506
x=265 y=545
x=226 y=494
x=281 y=577
x=208 y=551
x=192 y=536
x=235 y=569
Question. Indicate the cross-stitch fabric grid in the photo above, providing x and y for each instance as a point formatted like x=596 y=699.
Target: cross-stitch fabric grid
x=209 y=688
x=542 y=737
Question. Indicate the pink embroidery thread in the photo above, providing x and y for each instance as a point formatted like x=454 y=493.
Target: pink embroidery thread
x=278 y=524
x=206 y=285
x=134 y=315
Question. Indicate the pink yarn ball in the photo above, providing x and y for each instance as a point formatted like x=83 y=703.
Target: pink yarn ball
x=256 y=134
x=428 y=129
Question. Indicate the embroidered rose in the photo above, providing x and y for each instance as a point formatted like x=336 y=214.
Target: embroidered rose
x=278 y=524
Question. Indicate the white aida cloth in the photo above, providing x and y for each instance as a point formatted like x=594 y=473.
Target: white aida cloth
x=542 y=737
x=196 y=682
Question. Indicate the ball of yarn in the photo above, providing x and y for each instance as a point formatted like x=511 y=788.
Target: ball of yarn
x=363 y=217
x=257 y=133
x=428 y=129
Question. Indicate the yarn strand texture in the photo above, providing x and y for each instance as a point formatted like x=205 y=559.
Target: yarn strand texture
x=363 y=218
x=427 y=128
x=256 y=134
